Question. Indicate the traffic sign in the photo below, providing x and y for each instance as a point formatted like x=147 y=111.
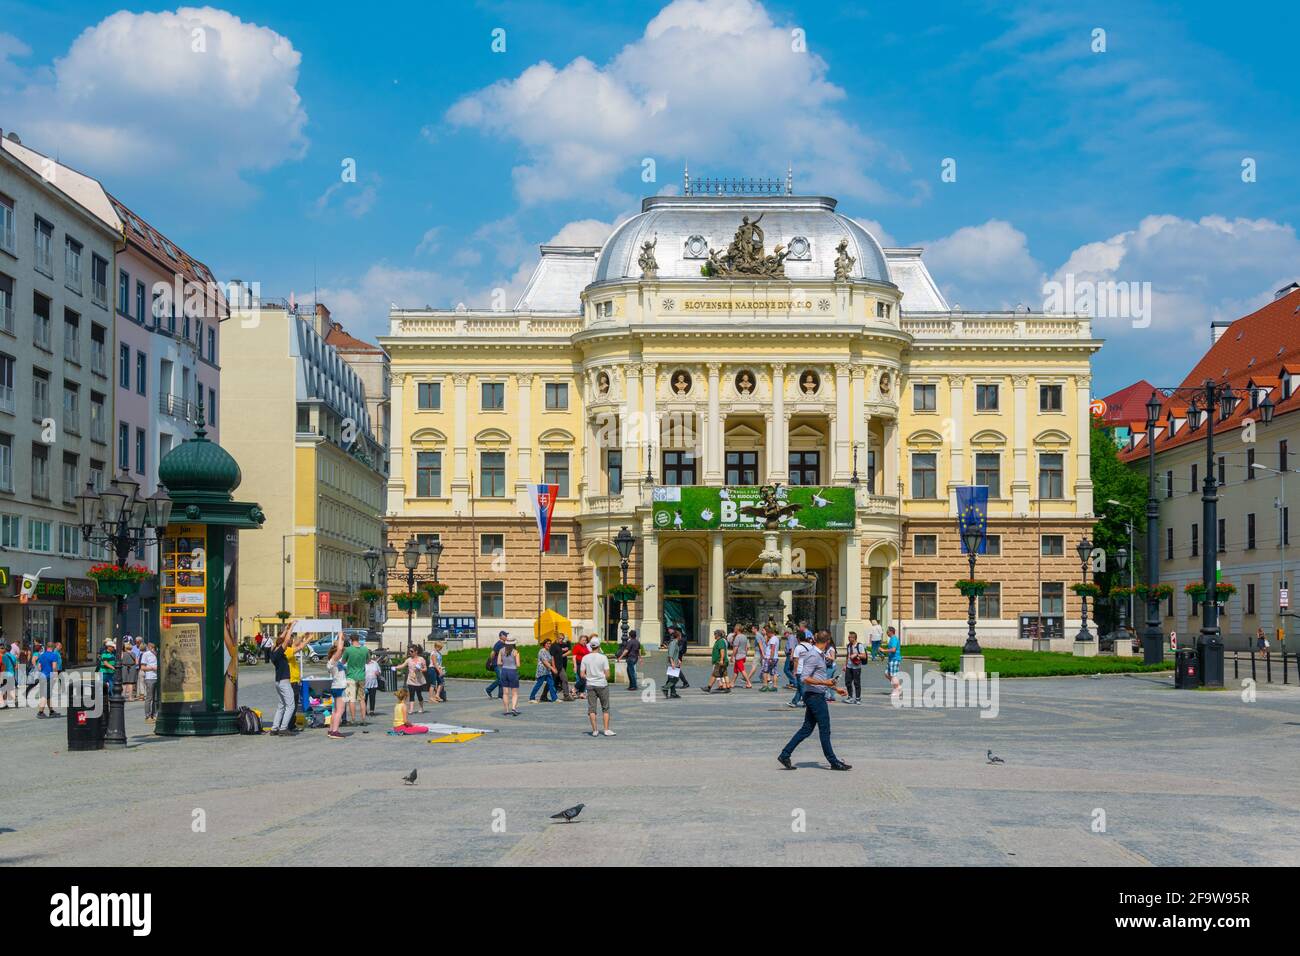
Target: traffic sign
x=1284 y=599
x=1173 y=640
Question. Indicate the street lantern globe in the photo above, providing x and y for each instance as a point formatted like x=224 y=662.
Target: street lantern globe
x=971 y=538
x=158 y=512
x=1194 y=413
x=411 y=554
x=390 y=556
x=1121 y=558
x=88 y=506
x=113 y=500
x=372 y=559
x=1084 y=549
x=1266 y=410
x=624 y=542
x=1153 y=410
x=435 y=552
x=1227 y=401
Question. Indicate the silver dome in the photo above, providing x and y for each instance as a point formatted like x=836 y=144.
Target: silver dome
x=675 y=220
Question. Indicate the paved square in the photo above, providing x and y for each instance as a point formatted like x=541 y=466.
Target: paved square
x=1182 y=777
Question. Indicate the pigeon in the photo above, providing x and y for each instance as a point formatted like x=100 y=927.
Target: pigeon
x=415 y=771
x=568 y=815
x=993 y=759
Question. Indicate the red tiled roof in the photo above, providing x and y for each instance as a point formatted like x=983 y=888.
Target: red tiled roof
x=153 y=243
x=1128 y=405
x=1254 y=349
x=344 y=342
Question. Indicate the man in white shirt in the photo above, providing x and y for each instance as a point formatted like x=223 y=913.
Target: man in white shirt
x=149 y=678
x=595 y=671
x=874 y=634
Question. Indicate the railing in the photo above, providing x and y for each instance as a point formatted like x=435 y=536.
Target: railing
x=177 y=407
x=876 y=504
x=1285 y=660
x=1001 y=326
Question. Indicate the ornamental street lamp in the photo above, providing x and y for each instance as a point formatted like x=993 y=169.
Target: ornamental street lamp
x=434 y=550
x=1121 y=562
x=971 y=538
x=410 y=556
x=118 y=518
x=1153 y=638
x=1084 y=550
x=624 y=542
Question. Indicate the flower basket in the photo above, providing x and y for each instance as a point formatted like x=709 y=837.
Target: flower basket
x=117 y=587
x=118 y=580
x=971 y=588
x=434 y=588
x=411 y=601
x=370 y=595
x=282 y=615
x=1084 y=589
x=624 y=592
x=1122 y=591
x=1160 y=592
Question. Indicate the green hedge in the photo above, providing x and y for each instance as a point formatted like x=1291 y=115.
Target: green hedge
x=471 y=662
x=1015 y=663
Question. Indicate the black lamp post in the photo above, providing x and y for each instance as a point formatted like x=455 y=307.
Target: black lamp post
x=971 y=538
x=1121 y=562
x=624 y=542
x=434 y=551
x=1084 y=550
x=411 y=561
x=120 y=519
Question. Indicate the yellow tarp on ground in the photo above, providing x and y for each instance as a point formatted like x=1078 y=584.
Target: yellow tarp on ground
x=552 y=624
x=454 y=739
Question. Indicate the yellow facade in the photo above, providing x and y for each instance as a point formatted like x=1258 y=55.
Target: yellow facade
x=804 y=379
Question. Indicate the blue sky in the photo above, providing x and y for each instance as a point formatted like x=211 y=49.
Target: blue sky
x=1116 y=165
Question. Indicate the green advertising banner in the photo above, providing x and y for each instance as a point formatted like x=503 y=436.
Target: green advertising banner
x=714 y=509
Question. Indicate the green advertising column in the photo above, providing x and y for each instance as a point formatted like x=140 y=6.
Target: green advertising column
x=198 y=680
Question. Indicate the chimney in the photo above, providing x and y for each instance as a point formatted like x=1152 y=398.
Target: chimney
x=322 y=319
x=1217 y=329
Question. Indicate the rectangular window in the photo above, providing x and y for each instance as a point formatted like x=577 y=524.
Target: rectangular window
x=924 y=397
x=1221 y=529
x=557 y=597
x=883 y=310
x=1051 y=476
x=428 y=474
x=40 y=394
x=428 y=396
x=139 y=451
x=96 y=478
x=124 y=366
x=1169 y=544
x=212 y=406
x=71 y=336
x=614 y=471
x=492 y=599
x=1250 y=532
x=742 y=468
x=557 y=396
x=559 y=544
x=988 y=471
x=988 y=606
x=1196 y=540
x=70 y=486
x=71 y=408
x=1250 y=464
x=69 y=539
x=7 y=304
x=1052 y=546
x=123 y=446
x=40 y=471
x=1250 y=599
x=1282 y=456
x=493 y=396
x=925 y=477
x=98 y=349
x=555 y=471
x=1223 y=470
x=99 y=280
x=97 y=419
x=140 y=299
x=8 y=226
x=123 y=292
x=11 y=531
x=993 y=546
x=7 y=383
x=38 y=535
x=679 y=468
x=41 y=321
x=925 y=600
x=986 y=398
x=1195 y=478
x=805 y=468
x=491 y=545
x=1169 y=484
x=492 y=474
x=141 y=373
x=6 y=463
x=212 y=346
x=1049 y=398
x=1052 y=599
x=44 y=238
x=72 y=264
x=925 y=545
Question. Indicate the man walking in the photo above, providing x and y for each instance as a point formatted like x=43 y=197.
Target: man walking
x=149 y=678
x=354 y=665
x=800 y=650
x=719 y=658
x=854 y=654
x=50 y=663
x=767 y=650
x=875 y=632
x=816 y=714
x=631 y=653
x=493 y=659
x=674 y=666
x=740 y=647
x=681 y=649
x=560 y=649
x=791 y=646
x=595 y=670
x=894 y=650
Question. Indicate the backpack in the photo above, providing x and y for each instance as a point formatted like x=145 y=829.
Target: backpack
x=249 y=722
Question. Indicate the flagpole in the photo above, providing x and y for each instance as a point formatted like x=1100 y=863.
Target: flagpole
x=473 y=553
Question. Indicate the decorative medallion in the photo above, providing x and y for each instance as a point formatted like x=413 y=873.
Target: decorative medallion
x=809 y=382
x=824 y=305
x=696 y=248
x=669 y=304
x=800 y=249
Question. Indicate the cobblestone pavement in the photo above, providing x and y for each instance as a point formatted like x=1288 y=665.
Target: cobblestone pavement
x=1181 y=778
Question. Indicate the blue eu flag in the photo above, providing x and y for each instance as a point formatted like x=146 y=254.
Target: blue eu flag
x=973 y=514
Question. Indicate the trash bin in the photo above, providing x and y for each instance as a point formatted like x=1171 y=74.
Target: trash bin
x=387 y=679
x=1187 y=668
x=85 y=729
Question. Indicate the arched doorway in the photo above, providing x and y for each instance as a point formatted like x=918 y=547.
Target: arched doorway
x=881 y=559
x=683 y=580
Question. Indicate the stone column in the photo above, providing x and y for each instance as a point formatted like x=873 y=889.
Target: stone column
x=1083 y=447
x=713 y=430
x=787 y=562
x=717 y=584
x=779 y=434
x=524 y=471
x=769 y=436
x=861 y=424
x=650 y=409
x=851 y=585
x=632 y=426
x=956 y=411
x=460 y=480
x=1020 y=448
x=651 y=628
x=398 y=434
x=890 y=464
x=843 y=423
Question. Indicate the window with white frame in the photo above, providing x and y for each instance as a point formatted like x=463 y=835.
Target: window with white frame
x=6 y=383
x=72 y=264
x=43 y=235
x=38 y=535
x=8 y=226
x=6 y=462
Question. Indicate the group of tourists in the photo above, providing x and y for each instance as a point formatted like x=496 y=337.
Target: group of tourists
x=551 y=677
x=354 y=681
x=133 y=672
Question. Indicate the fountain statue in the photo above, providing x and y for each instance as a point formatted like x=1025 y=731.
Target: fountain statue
x=770 y=584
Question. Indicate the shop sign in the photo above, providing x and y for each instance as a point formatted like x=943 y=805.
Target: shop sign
x=81 y=590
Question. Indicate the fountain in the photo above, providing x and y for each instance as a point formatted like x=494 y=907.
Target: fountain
x=770 y=583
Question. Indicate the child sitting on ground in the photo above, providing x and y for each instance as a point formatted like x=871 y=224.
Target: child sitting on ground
x=400 y=724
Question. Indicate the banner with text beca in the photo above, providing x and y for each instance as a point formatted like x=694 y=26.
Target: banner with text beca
x=689 y=508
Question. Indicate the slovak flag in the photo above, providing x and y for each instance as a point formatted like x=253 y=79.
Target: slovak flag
x=544 y=503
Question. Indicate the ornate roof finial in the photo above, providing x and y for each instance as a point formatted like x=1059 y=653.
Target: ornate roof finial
x=686 y=178
x=200 y=433
x=789 y=178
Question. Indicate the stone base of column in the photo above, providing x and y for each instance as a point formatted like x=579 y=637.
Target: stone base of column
x=1085 y=649
x=971 y=666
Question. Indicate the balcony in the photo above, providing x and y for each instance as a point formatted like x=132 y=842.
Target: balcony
x=177 y=407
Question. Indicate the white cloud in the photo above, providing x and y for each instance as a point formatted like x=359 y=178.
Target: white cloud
x=708 y=79
x=429 y=241
x=582 y=232
x=196 y=91
x=985 y=267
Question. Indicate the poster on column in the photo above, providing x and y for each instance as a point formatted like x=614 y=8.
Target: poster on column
x=181 y=663
x=718 y=509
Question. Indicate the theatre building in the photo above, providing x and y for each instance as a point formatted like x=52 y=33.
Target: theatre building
x=714 y=344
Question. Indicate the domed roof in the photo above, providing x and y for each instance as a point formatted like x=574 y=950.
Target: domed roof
x=685 y=228
x=199 y=467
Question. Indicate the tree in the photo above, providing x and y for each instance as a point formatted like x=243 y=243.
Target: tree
x=1115 y=480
